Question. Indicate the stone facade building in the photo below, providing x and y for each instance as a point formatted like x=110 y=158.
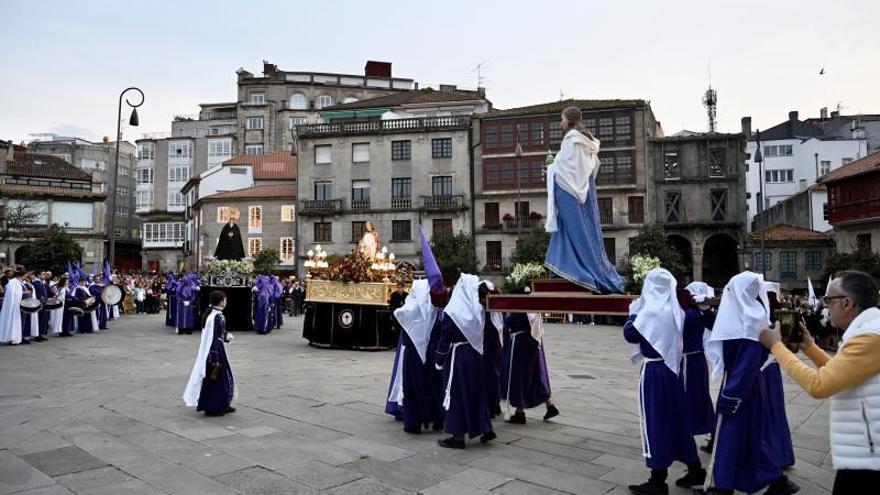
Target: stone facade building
x=854 y=204
x=698 y=189
x=792 y=255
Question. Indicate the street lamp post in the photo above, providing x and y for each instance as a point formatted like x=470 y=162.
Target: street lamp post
x=759 y=159
x=517 y=221
x=114 y=173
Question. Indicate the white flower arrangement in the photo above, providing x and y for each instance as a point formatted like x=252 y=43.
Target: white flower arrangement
x=641 y=265
x=522 y=274
x=216 y=267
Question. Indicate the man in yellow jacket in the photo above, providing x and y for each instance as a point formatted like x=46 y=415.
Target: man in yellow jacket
x=851 y=379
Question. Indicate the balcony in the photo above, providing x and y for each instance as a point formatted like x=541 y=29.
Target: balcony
x=383 y=126
x=451 y=202
x=401 y=203
x=360 y=205
x=612 y=219
x=321 y=207
x=523 y=223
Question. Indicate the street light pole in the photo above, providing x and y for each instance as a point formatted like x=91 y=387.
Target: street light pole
x=759 y=159
x=114 y=173
x=517 y=206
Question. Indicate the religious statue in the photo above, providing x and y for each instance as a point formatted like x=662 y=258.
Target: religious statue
x=369 y=243
x=229 y=246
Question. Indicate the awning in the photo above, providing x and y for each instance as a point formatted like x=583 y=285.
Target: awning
x=353 y=114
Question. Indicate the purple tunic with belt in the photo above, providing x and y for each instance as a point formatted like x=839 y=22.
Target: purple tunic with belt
x=695 y=375
x=187 y=302
x=525 y=382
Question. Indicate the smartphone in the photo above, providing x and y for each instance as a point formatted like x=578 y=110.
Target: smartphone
x=789 y=323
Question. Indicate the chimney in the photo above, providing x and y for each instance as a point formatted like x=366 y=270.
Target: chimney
x=481 y=92
x=835 y=114
x=793 y=115
x=823 y=113
x=746 y=123
x=377 y=69
x=268 y=68
x=448 y=87
x=416 y=86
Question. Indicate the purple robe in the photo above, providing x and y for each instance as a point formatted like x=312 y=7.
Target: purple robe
x=776 y=429
x=694 y=375
x=95 y=291
x=278 y=291
x=217 y=393
x=467 y=412
x=666 y=430
x=525 y=382
x=41 y=289
x=262 y=305
x=743 y=460
x=187 y=292
x=171 y=302
x=421 y=405
x=491 y=370
x=84 y=322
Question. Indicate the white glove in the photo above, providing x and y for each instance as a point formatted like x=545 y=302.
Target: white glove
x=186 y=303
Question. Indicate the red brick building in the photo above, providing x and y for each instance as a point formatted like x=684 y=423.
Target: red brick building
x=854 y=204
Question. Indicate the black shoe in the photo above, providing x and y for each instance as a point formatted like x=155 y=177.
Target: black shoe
x=63 y=334
x=692 y=478
x=650 y=487
x=413 y=431
x=782 y=486
x=451 y=443
x=716 y=491
x=518 y=418
x=230 y=409
x=438 y=426
x=26 y=342
x=551 y=412
x=488 y=437
x=40 y=339
x=710 y=443
x=215 y=413
x=495 y=410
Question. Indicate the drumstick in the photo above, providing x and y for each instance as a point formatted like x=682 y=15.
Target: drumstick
x=711 y=471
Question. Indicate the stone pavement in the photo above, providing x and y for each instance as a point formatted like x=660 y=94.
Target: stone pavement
x=102 y=414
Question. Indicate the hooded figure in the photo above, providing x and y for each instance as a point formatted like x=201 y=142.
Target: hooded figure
x=694 y=370
x=101 y=313
x=263 y=291
x=776 y=429
x=229 y=245
x=576 y=251
x=743 y=459
x=171 y=301
x=278 y=291
x=655 y=329
x=187 y=303
x=412 y=396
x=211 y=386
x=492 y=351
x=88 y=322
x=10 y=314
x=459 y=355
x=701 y=291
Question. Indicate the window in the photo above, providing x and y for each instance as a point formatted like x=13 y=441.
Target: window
x=493 y=255
x=401 y=230
x=442 y=226
x=760 y=263
x=146 y=151
x=285 y=249
x=717 y=162
x=322 y=154
x=636 y=209
x=441 y=185
x=360 y=152
x=288 y=213
x=778 y=176
x=176 y=200
x=863 y=243
x=180 y=149
x=298 y=101
x=295 y=121
x=441 y=148
x=360 y=194
x=323 y=232
x=844 y=161
x=492 y=218
x=671 y=169
x=502 y=174
x=164 y=233
x=323 y=190
x=606 y=211
x=255 y=219
x=254 y=123
x=144 y=175
x=323 y=101
x=613 y=129
x=258 y=99
x=788 y=265
x=401 y=150
x=719 y=204
x=121 y=191
x=556 y=134
x=219 y=147
x=253 y=149
x=223 y=214
x=349 y=99
x=255 y=245
x=616 y=168
x=824 y=167
x=122 y=210
x=610 y=245
x=825 y=211
x=813 y=260
x=143 y=200
x=179 y=173
x=401 y=188
x=778 y=150
x=673 y=206
x=357 y=230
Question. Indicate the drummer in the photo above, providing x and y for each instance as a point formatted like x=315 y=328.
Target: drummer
x=100 y=313
x=88 y=322
x=30 y=320
x=41 y=290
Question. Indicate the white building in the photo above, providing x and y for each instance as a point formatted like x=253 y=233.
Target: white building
x=796 y=154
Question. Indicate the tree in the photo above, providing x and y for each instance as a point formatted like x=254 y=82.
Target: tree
x=455 y=253
x=50 y=249
x=265 y=261
x=16 y=214
x=652 y=241
x=862 y=261
x=532 y=248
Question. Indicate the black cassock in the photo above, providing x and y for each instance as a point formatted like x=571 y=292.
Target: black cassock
x=229 y=248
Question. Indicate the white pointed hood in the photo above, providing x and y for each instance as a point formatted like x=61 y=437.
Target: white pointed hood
x=466 y=311
x=417 y=316
x=659 y=317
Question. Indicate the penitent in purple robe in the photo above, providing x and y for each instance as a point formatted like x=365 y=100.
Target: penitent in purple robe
x=84 y=322
x=95 y=291
x=218 y=392
x=694 y=375
x=419 y=380
x=263 y=305
x=491 y=365
x=776 y=428
x=187 y=303
x=171 y=301
x=467 y=412
x=666 y=430
x=743 y=460
x=278 y=291
x=525 y=382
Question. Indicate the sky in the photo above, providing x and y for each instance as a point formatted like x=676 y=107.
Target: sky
x=65 y=62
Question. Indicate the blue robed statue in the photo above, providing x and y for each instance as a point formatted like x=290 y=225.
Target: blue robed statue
x=577 y=251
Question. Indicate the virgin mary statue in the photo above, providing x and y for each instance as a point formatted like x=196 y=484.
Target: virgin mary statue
x=577 y=251
x=369 y=243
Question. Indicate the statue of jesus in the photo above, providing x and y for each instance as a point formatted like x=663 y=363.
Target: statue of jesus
x=369 y=243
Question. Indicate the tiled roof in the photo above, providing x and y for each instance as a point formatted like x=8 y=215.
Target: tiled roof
x=789 y=233
x=790 y=129
x=560 y=105
x=38 y=165
x=42 y=191
x=275 y=165
x=279 y=191
x=426 y=95
x=864 y=165
x=818 y=187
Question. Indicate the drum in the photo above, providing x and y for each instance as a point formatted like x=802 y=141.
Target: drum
x=75 y=311
x=53 y=303
x=30 y=306
x=90 y=304
x=112 y=295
